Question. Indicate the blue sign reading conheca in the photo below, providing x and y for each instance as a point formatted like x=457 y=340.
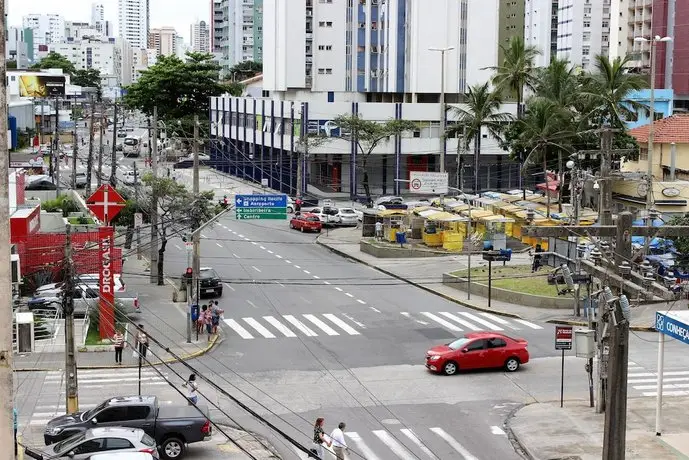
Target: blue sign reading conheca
x=673 y=327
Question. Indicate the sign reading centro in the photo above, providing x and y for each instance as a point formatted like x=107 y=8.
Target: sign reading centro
x=106 y=308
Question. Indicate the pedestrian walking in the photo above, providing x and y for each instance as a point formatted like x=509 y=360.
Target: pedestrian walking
x=297 y=204
x=142 y=341
x=118 y=341
x=319 y=438
x=379 y=230
x=338 y=440
x=216 y=313
x=192 y=389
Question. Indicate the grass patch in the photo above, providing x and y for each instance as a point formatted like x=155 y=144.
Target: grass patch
x=80 y=221
x=516 y=278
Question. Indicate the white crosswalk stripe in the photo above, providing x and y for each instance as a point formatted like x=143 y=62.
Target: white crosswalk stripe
x=395 y=446
x=459 y=321
x=675 y=382
x=292 y=326
x=441 y=321
x=481 y=321
x=528 y=323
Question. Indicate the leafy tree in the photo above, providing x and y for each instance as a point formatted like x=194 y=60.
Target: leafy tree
x=179 y=211
x=367 y=135
x=180 y=89
x=89 y=78
x=55 y=61
x=11 y=64
x=517 y=70
x=482 y=111
x=246 y=69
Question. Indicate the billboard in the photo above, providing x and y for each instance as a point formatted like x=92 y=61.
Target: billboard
x=41 y=85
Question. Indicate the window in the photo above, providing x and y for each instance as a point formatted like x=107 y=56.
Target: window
x=90 y=446
x=496 y=343
x=321 y=23
x=117 y=443
x=643 y=153
x=331 y=96
x=138 y=412
x=477 y=345
x=587 y=24
x=328 y=71
x=329 y=24
x=113 y=414
x=321 y=71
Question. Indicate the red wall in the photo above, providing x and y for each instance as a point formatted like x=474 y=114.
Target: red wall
x=680 y=76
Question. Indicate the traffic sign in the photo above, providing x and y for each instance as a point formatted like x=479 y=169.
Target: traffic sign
x=563 y=337
x=428 y=182
x=261 y=207
x=138 y=219
x=105 y=203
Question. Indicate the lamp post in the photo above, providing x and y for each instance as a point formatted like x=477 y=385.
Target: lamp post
x=649 y=191
x=443 y=126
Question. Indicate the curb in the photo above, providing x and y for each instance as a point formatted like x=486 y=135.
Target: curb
x=568 y=322
x=214 y=340
x=513 y=438
x=418 y=285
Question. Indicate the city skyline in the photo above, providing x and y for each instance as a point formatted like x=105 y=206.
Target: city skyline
x=172 y=13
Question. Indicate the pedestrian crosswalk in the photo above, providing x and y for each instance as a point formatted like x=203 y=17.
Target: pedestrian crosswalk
x=459 y=321
x=675 y=381
x=433 y=443
x=291 y=326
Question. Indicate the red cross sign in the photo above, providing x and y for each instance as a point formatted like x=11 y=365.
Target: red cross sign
x=105 y=203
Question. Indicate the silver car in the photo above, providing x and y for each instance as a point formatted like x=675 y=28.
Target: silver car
x=347 y=216
x=111 y=439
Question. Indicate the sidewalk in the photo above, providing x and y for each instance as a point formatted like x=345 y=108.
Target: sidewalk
x=427 y=274
x=164 y=320
x=546 y=431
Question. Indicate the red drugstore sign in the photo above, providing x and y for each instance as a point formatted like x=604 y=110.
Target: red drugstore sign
x=106 y=308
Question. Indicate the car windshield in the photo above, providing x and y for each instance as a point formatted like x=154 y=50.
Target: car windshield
x=313 y=219
x=347 y=211
x=89 y=414
x=208 y=274
x=130 y=142
x=459 y=343
x=64 y=446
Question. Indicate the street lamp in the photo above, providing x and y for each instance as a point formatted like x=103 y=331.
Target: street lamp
x=649 y=191
x=442 y=52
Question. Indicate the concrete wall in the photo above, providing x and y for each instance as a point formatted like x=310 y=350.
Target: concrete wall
x=393 y=253
x=529 y=300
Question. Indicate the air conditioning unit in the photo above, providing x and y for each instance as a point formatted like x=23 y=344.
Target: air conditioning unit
x=16 y=269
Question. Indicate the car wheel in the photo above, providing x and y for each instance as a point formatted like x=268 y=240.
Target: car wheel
x=512 y=364
x=450 y=368
x=302 y=229
x=172 y=448
x=290 y=209
x=291 y=225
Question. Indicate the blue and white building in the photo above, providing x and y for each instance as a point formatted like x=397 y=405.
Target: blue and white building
x=663 y=106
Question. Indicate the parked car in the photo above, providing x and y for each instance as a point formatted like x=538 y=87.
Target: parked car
x=41 y=184
x=347 y=216
x=87 y=297
x=390 y=202
x=81 y=179
x=121 y=134
x=172 y=427
x=130 y=178
x=478 y=350
x=183 y=164
x=53 y=289
x=306 y=221
x=111 y=439
x=327 y=215
x=210 y=281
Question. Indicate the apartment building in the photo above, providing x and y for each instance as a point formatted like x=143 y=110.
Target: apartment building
x=47 y=29
x=133 y=20
x=104 y=56
x=164 y=40
x=540 y=28
x=200 y=37
x=583 y=31
x=19 y=44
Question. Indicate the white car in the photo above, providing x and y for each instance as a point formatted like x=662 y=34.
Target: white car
x=347 y=216
x=130 y=178
x=52 y=289
x=326 y=215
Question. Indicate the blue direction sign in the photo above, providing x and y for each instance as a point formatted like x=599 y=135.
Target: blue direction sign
x=673 y=324
x=261 y=201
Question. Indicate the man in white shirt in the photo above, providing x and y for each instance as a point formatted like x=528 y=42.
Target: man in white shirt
x=338 y=440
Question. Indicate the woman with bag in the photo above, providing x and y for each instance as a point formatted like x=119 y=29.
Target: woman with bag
x=319 y=437
x=192 y=387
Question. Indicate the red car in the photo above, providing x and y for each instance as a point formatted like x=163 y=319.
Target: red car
x=478 y=350
x=306 y=221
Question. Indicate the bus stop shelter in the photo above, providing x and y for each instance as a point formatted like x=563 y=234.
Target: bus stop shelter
x=673 y=324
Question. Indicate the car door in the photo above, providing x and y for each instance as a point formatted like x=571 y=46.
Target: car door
x=87 y=448
x=111 y=416
x=496 y=349
x=140 y=417
x=474 y=356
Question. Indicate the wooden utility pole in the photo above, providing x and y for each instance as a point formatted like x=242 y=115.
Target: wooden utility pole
x=196 y=236
x=153 y=143
x=75 y=148
x=113 y=158
x=6 y=322
x=89 y=159
x=100 y=145
x=72 y=393
x=54 y=148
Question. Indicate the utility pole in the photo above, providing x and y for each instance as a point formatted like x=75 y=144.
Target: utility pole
x=443 y=110
x=196 y=237
x=72 y=393
x=136 y=198
x=302 y=156
x=75 y=149
x=89 y=159
x=605 y=211
x=113 y=157
x=54 y=150
x=100 y=146
x=6 y=376
x=153 y=141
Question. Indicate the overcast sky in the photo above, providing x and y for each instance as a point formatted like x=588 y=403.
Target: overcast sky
x=176 y=13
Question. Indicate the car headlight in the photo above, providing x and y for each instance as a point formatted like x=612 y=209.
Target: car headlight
x=435 y=358
x=54 y=430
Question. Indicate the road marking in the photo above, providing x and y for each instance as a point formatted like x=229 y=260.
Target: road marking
x=374 y=309
x=460 y=321
x=278 y=256
x=262 y=247
x=497 y=430
x=297 y=266
x=667 y=393
x=281 y=285
x=499 y=320
x=361 y=446
x=246 y=239
x=326 y=282
x=243 y=333
x=229 y=286
x=481 y=321
x=349 y=317
x=344 y=326
x=177 y=246
x=394 y=446
x=259 y=328
x=240 y=235
x=254 y=243
x=251 y=303
x=219 y=245
x=256 y=268
x=453 y=442
x=305 y=300
x=349 y=295
x=675 y=379
x=279 y=326
x=316 y=277
x=203 y=236
x=413 y=438
x=437 y=319
x=527 y=323
x=361 y=301
x=339 y=289
x=236 y=256
x=269 y=251
x=299 y=325
x=324 y=327
x=307 y=272
x=288 y=261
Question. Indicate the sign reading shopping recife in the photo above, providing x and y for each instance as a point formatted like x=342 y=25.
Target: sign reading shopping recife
x=261 y=207
x=674 y=324
x=428 y=182
x=41 y=85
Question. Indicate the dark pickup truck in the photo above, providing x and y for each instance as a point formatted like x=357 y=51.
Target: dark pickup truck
x=172 y=427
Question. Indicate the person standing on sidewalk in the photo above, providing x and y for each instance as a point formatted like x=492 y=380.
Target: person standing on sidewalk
x=338 y=440
x=118 y=341
x=192 y=388
x=142 y=342
x=216 y=313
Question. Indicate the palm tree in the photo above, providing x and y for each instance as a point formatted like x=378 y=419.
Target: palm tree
x=559 y=82
x=482 y=110
x=546 y=128
x=517 y=70
x=606 y=91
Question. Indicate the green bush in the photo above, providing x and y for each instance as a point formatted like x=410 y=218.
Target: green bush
x=61 y=203
x=94 y=317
